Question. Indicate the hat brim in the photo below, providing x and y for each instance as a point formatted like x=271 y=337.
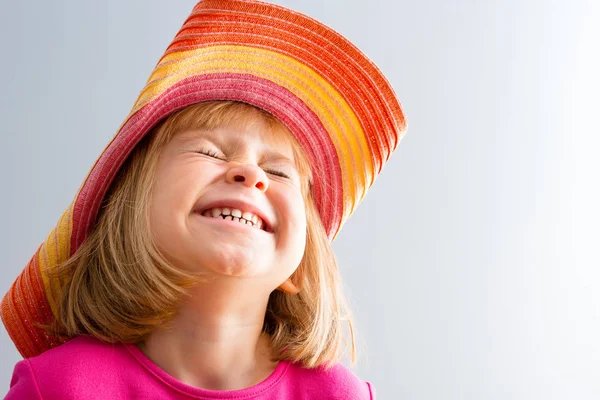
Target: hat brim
x=335 y=101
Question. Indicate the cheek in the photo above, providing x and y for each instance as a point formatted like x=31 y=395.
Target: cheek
x=169 y=201
x=176 y=186
x=291 y=210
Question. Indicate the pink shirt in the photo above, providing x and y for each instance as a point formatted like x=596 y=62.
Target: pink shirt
x=87 y=368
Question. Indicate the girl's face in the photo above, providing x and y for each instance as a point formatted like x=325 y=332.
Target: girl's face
x=201 y=173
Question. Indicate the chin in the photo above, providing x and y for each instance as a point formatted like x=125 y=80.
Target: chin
x=240 y=264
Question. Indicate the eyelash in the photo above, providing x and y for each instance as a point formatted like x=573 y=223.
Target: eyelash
x=269 y=171
x=277 y=173
x=209 y=153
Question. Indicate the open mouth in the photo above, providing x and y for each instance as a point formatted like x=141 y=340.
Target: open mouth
x=234 y=215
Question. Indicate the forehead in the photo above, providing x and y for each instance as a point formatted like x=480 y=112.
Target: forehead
x=273 y=139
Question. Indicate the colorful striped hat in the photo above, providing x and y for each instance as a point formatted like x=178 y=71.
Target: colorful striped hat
x=335 y=101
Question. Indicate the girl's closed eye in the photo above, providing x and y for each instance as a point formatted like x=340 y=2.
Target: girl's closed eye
x=210 y=153
x=277 y=173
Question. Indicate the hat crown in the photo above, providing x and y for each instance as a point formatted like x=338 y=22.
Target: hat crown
x=335 y=101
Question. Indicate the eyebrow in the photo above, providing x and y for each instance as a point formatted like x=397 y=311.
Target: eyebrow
x=190 y=135
x=276 y=157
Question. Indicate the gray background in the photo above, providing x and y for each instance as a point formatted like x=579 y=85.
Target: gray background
x=472 y=265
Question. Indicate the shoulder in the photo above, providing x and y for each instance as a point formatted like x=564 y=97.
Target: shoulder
x=335 y=382
x=82 y=365
x=81 y=354
x=23 y=384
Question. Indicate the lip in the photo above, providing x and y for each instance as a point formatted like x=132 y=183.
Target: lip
x=240 y=205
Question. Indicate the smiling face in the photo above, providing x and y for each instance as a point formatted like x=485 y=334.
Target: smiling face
x=232 y=168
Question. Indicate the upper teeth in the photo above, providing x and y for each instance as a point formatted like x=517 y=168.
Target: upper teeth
x=233 y=214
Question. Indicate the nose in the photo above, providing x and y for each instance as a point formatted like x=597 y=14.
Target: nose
x=250 y=175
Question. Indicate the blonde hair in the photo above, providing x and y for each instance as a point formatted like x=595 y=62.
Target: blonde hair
x=119 y=288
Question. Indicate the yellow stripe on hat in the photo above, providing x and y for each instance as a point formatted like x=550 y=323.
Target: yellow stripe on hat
x=323 y=99
x=55 y=250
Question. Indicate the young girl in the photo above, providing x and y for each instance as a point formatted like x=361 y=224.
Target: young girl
x=195 y=259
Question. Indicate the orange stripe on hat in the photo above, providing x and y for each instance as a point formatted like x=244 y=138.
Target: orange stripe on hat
x=337 y=103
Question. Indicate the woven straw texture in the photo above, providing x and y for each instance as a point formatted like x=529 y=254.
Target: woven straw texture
x=327 y=92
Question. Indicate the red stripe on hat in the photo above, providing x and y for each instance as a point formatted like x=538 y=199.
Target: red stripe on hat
x=301 y=121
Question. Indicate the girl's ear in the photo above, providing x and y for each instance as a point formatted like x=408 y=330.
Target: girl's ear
x=288 y=287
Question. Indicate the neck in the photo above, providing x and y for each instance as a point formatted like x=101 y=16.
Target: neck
x=214 y=344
